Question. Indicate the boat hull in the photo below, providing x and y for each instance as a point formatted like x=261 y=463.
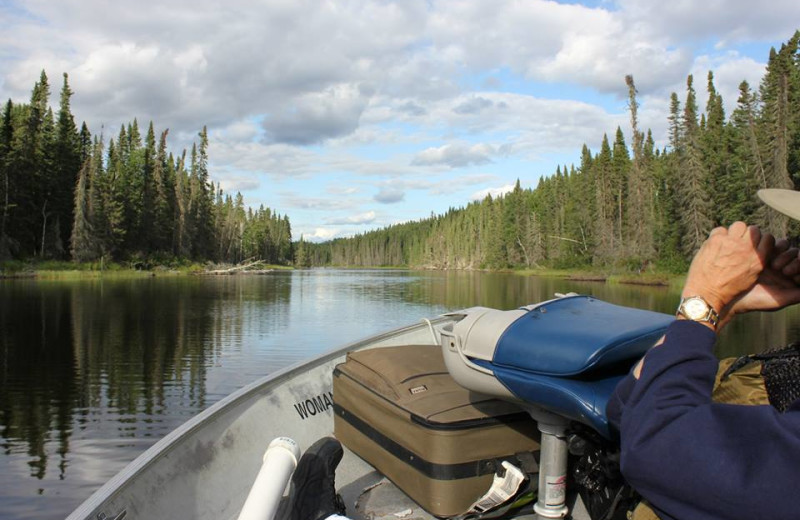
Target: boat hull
x=204 y=469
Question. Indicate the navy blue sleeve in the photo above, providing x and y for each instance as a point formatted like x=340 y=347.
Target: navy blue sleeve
x=695 y=459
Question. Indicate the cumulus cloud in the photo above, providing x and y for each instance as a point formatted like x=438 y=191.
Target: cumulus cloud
x=236 y=183
x=362 y=218
x=186 y=64
x=316 y=203
x=317 y=116
x=254 y=157
x=393 y=92
x=494 y=192
x=455 y=155
x=411 y=108
x=389 y=195
x=729 y=22
x=321 y=234
x=447 y=186
x=473 y=105
x=341 y=190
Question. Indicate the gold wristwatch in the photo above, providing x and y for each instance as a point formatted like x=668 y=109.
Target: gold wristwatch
x=695 y=308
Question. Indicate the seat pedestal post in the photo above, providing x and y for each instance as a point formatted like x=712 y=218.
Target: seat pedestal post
x=551 y=502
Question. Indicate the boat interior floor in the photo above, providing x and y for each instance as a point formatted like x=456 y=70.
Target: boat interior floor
x=374 y=497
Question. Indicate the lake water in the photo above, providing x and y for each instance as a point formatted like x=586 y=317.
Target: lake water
x=94 y=372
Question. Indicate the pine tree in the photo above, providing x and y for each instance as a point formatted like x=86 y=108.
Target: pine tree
x=746 y=173
x=779 y=88
x=163 y=198
x=696 y=215
x=6 y=141
x=184 y=229
x=714 y=143
x=301 y=257
x=606 y=205
x=107 y=202
x=201 y=200
x=83 y=243
x=67 y=162
x=28 y=166
x=639 y=217
x=148 y=235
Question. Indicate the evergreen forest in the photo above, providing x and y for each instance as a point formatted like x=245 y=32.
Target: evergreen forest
x=629 y=206
x=66 y=194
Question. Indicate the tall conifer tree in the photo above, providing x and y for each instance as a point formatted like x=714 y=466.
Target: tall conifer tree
x=696 y=215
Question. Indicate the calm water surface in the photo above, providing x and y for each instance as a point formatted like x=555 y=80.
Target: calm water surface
x=92 y=373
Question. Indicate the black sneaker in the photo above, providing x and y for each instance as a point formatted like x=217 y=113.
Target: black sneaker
x=312 y=495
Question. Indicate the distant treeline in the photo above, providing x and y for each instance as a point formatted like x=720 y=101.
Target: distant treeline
x=66 y=194
x=630 y=207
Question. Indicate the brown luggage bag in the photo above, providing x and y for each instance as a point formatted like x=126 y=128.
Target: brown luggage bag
x=399 y=409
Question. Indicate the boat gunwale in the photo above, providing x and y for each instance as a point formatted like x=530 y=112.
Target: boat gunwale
x=89 y=507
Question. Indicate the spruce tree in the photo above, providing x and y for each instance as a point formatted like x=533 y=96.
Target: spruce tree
x=604 y=231
x=301 y=256
x=639 y=217
x=778 y=89
x=746 y=174
x=696 y=213
x=67 y=162
x=714 y=144
x=83 y=243
x=163 y=198
x=6 y=140
x=148 y=235
x=201 y=200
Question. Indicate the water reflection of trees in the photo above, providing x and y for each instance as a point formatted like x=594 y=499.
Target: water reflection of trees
x=76 y=357
x=460 y=289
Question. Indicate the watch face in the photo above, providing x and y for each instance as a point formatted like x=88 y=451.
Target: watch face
x=695 y=308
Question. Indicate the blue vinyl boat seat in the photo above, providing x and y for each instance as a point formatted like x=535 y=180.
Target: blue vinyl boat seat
x=567 y=355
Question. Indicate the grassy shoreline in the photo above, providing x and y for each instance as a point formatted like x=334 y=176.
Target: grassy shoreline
x=61 y=270
x=49 y=270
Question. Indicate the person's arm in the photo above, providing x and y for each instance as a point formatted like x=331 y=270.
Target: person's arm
x=689 y=457
x=694 y=459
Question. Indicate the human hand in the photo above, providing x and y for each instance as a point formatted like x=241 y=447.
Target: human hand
x=728 y=264
x=776 y=287
x=786 y=261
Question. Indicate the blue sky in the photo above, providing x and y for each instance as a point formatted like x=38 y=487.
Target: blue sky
x=353 y=115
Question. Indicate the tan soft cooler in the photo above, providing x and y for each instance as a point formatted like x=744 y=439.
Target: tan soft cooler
x=399 y=409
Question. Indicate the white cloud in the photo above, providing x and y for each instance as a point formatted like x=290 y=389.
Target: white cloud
x=362 y=218
x=341 y=190
x=256 y=158
x=316 y=203
x=494 y=192
x=233 y=184
x=394 y=97
x=315 y=117
x=455 y=155
x=322 y=234
x=726 y=20
x=389 y=195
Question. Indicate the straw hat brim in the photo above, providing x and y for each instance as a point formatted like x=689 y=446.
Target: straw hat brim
x=785 y=201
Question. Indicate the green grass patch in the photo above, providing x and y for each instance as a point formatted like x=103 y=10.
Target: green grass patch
x=116 y=274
